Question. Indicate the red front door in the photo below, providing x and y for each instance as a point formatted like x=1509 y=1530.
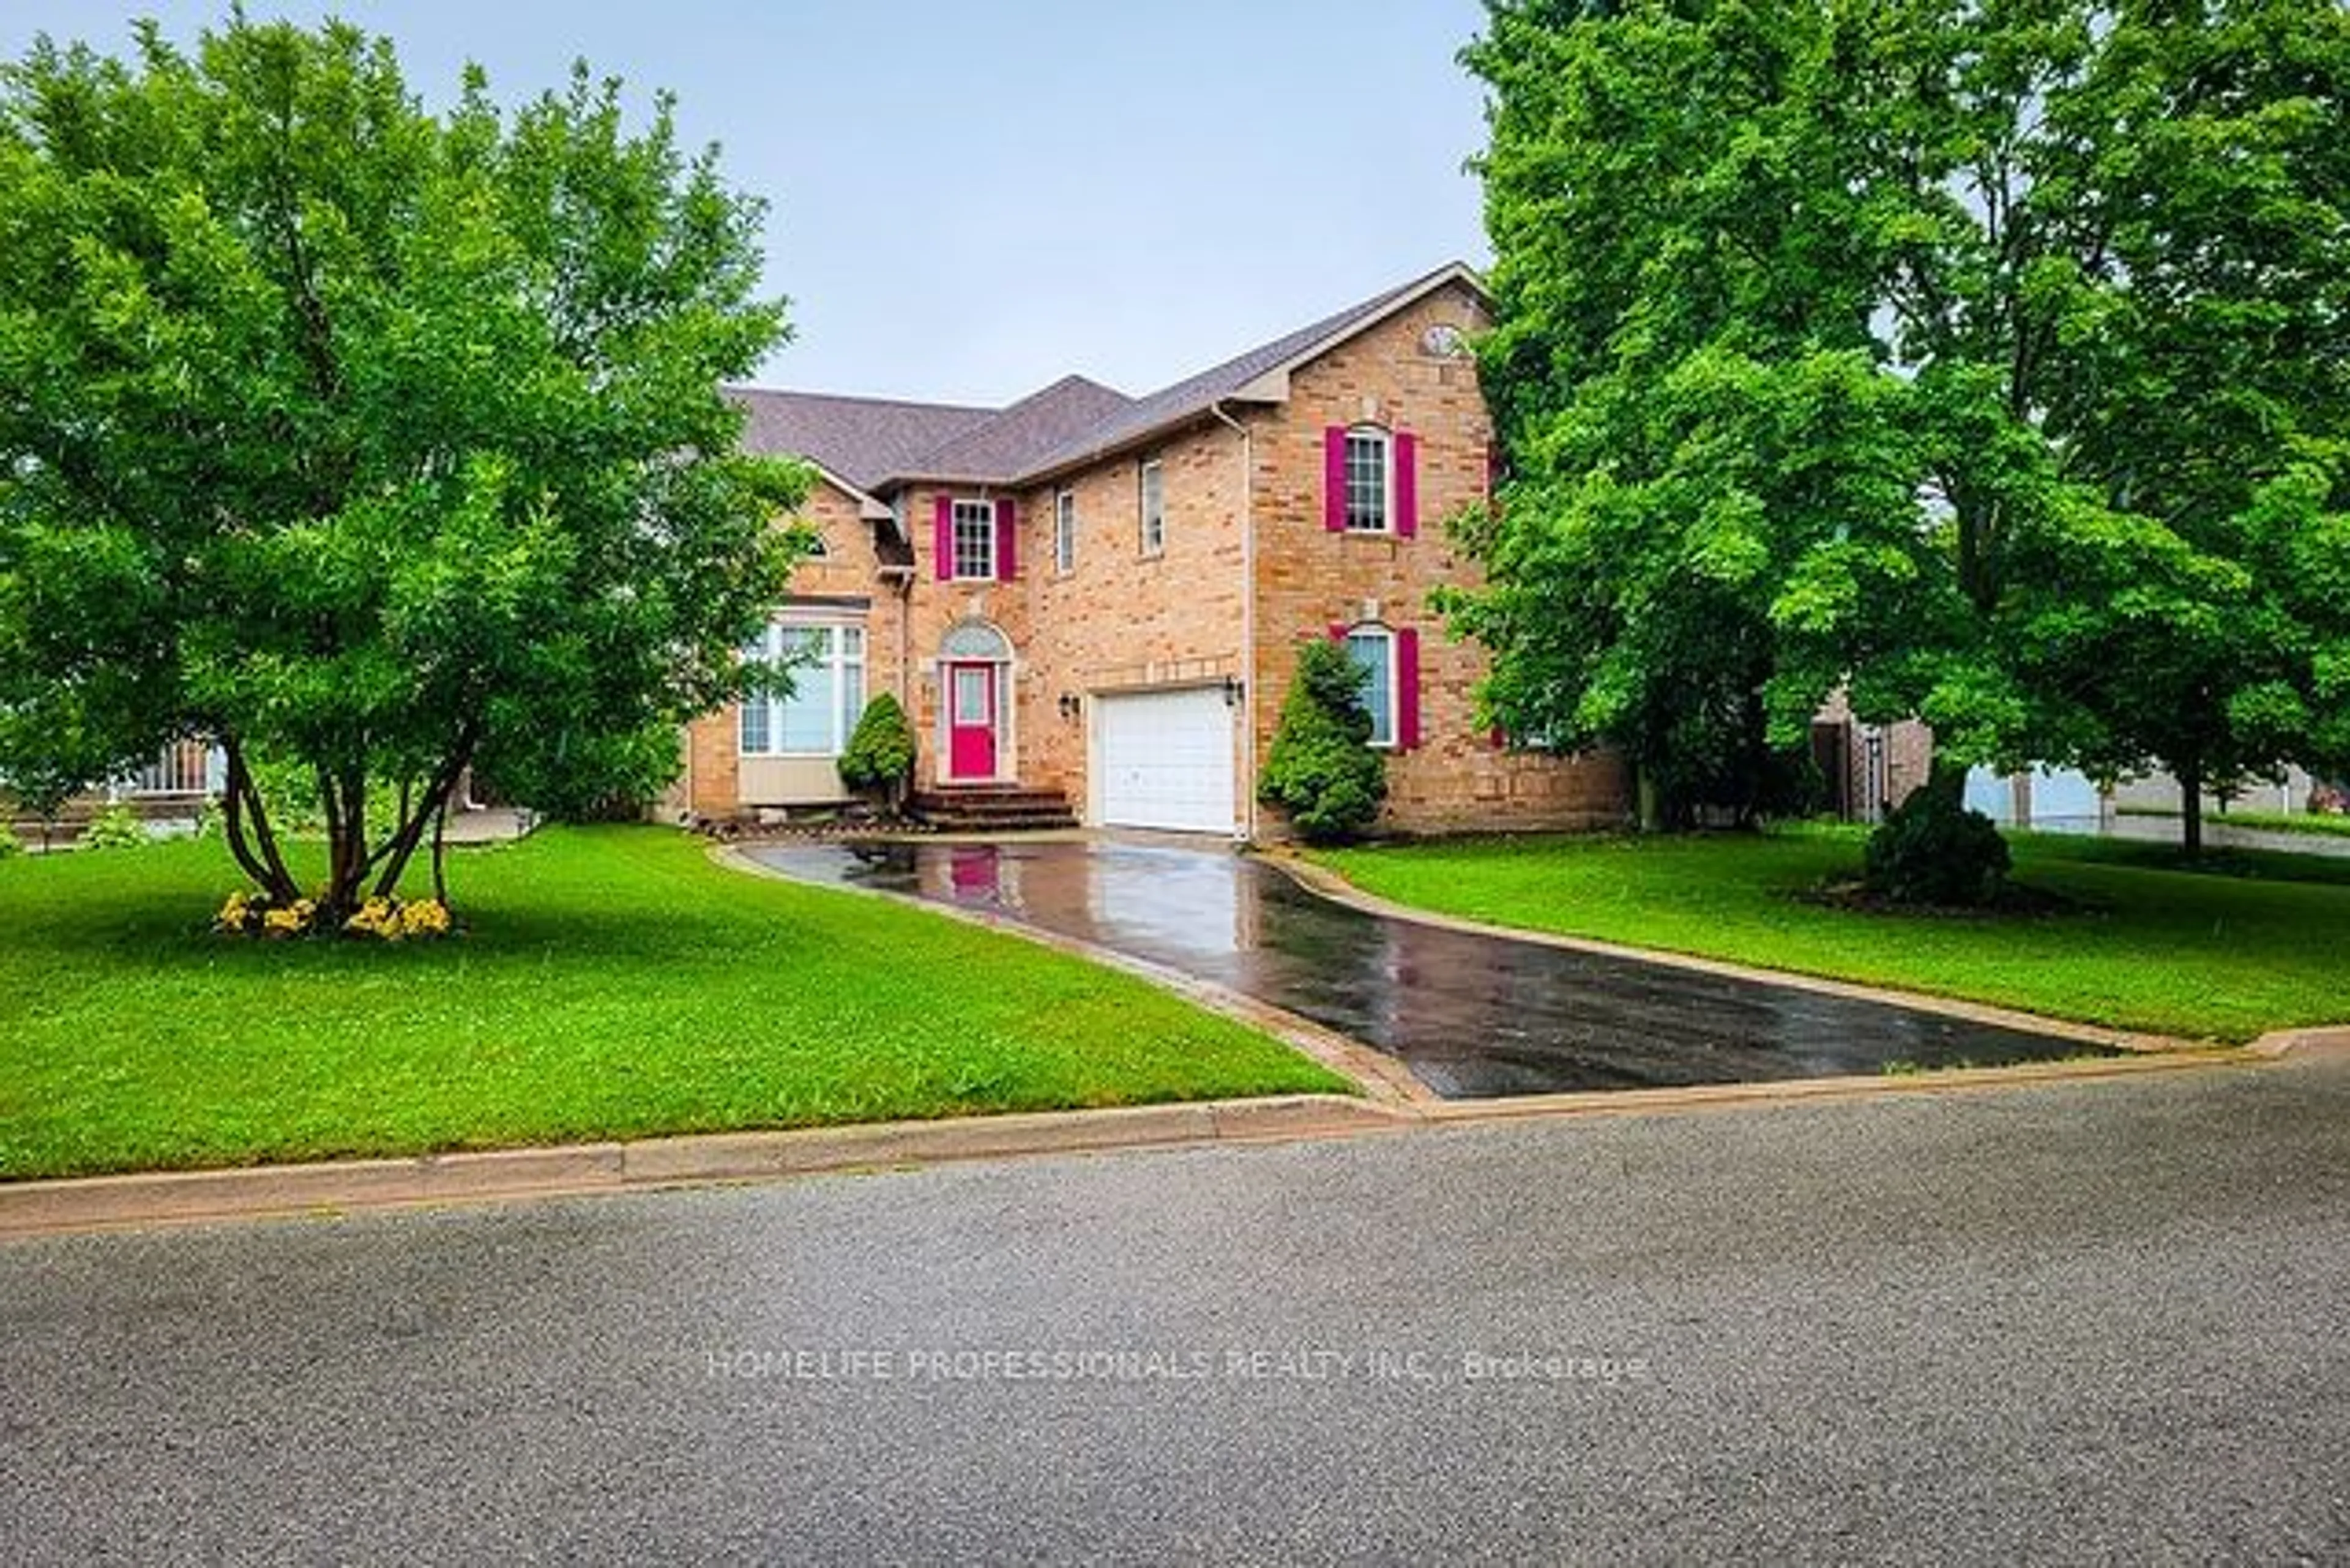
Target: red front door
x=971 y=720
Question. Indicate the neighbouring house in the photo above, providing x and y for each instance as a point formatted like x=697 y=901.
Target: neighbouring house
x=1089 y=602
x=1869 y=769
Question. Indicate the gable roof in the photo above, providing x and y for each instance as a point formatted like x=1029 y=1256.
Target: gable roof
x=1260 y=375
x=877 y=443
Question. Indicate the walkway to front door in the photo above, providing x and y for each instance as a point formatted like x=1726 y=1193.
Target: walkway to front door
x=1471 y=1015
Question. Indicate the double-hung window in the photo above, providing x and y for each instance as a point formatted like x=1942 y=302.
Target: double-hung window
x=974 y=540
x=1371 y=481
x=1064 y=531
x=824 y=667
x=1151 y=481
x=1374 y=648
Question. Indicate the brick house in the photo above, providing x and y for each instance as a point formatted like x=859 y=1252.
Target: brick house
x=1095 y=599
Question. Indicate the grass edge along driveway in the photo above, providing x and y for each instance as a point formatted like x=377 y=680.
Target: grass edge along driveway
x=2146 y=947
x=615 y=984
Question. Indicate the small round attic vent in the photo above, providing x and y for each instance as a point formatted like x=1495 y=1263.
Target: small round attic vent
x=1443 y=341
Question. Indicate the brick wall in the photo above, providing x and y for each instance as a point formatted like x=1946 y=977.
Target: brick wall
x=1310 y=578
x=714 y=781
x=1124 y=619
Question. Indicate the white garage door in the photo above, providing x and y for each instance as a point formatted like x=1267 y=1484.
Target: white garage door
x=1166 y=759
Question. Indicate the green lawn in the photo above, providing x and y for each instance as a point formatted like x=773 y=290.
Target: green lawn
x=2264 y=944
x=614 y=984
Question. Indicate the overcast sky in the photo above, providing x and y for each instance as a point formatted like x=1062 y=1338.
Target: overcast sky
x=971 y=199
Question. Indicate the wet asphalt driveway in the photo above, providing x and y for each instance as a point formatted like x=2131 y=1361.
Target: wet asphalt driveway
x=1473 y=1016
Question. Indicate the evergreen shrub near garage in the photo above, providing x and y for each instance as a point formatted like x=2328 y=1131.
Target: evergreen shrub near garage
x=881 y=754
x=1321 y=771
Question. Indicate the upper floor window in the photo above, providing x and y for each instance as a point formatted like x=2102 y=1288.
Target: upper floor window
x=1374 y=648
x=974 y=540
x=1371 y=481
x=1153 y=487
x=1064 y=531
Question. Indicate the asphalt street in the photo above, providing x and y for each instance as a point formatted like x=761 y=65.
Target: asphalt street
x=2093 y=1322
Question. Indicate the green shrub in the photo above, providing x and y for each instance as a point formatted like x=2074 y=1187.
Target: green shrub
x=116 y=827
x=880 y=755
x=1321 y=771
x=1933 y=850
x=9 y=842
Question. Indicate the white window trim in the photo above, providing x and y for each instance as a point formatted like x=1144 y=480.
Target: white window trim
x=1064 y=531
x=1148 y=469
x=770 y=648
x=1386 y=438
x=959 y=510
x=1393 y=715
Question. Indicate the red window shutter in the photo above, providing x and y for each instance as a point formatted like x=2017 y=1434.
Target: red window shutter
x=1007 y=517
x=942 y=537
x=1407 y=484
x=1406 y=688
x=1334 y=478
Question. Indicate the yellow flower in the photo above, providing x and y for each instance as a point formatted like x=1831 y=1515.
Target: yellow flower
x=378 y=916
x=425 y=917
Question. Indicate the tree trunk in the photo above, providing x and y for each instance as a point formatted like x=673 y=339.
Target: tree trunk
x=2190 y=810
x=344 y=796
x=257 y=856
x=1650 y=798
x=404 y=842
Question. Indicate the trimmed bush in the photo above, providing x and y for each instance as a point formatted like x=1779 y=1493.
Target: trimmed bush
x=9 y=842
x=1933 y=850
x=1321 y=771
x=881 y=754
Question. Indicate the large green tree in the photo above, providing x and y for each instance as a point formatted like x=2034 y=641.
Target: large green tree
x=363 y=440
x=2021 y=329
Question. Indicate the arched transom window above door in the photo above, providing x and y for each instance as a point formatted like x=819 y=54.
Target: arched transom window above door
x=974 y=639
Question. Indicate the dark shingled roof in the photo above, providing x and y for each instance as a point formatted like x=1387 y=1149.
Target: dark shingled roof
x=1011 y=444
x=862 y=440
x=1191 y=397
x=874 y=442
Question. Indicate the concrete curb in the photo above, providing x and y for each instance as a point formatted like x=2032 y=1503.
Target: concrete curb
x=329 y=1189
x=2283 y=1043
x=110 y=1202
x=1793 y=1091
x=1328 y=884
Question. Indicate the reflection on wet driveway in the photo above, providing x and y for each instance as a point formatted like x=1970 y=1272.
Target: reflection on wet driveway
x=1471 y=1015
